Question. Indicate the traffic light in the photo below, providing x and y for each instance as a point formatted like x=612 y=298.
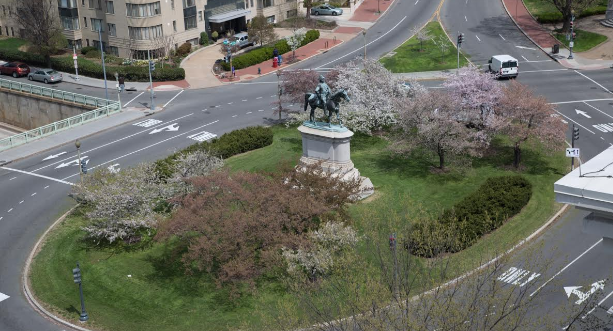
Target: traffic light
x=151 y=65
x=76 y=274
x=460 y=38
x=572 y=24
x=575 y=134
x=84 y=166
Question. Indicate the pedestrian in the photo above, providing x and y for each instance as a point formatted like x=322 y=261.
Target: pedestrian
x=122 y=83
x=275 y=52
x=233 y=72
x=280 y=59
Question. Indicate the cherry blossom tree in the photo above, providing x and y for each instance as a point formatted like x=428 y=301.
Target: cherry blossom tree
x=529 y=116
x=431 y=120
x=295 y=40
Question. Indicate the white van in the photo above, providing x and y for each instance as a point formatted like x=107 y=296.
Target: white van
x=503 y=66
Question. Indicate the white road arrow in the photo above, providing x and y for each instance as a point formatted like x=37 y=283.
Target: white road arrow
x=53 y=156
x=3 y=297
x=599 y=285
x=112 y=168
x=73 y=162
x=524 y=47
x=582 y=113
x=167 y=128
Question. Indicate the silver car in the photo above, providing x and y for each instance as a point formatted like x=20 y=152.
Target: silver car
x=326 y=10
x=45 y=75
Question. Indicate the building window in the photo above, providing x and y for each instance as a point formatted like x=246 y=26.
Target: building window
x=96 y=24
x=268 y=3
x=87 y=40
x=251 y=3
x=292 y=13
x=194 y=41
x=200 y=16
x=270 y=19
x=12 y=32
x=91 y=4
x=172 y=4
x=174 y=26
x=83 y=3
x=7 y=30
x=97 y=45
x=67 y=3
x=0 y=30
x=85 y=22
x=112 y=29
x=143 y=10
x=70 y=23
x=110 y=8
x=74 y=44
x=151 y=32
x=189 y=3
x=190 y=23
x=113 y=50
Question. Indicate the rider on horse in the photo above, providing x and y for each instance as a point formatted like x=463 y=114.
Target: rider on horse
x=322 y=91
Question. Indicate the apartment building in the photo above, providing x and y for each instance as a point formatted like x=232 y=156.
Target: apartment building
x=130 y=28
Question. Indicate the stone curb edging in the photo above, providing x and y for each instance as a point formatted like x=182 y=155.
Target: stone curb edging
x=26 y=273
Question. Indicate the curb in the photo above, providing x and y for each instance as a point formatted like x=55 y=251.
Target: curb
x=26 y=272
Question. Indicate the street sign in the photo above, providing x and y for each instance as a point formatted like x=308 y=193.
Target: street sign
x=74 y=56
x=76 y=65
x=572 y=152
x=571 y=44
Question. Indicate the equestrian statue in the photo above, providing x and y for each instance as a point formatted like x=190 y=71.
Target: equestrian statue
x=324 y=99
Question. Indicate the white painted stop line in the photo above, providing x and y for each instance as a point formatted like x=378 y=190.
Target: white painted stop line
x=3 y=297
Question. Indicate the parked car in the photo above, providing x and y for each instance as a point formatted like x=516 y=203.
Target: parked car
x=16 y=69
x=503 y=66
x=45 y=75
x=242 y=39
x=326 y=10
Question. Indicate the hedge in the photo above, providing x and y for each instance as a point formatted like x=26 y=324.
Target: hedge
x=90 y=69
x=264 y=54
x=229 y=144
x=497 y=200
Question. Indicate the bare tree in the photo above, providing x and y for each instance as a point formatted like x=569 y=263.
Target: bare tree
x=567 y=7
x=41 y=26
x=422 y=36
x=260 y=31
x=164 y=45
x=443 y=45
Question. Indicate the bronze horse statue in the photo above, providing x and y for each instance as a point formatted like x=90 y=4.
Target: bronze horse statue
x=332 y=105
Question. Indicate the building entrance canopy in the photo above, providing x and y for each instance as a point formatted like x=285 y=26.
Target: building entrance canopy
x=220 y=18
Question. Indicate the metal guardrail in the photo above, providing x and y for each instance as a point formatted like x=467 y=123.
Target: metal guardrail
x=104 y=107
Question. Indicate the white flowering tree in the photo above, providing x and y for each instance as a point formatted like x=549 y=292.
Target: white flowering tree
x=295 y=40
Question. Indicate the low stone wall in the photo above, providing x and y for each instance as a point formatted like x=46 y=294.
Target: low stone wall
x=30 y=111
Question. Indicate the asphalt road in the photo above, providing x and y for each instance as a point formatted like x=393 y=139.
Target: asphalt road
x=583 y=98
x=34 y=190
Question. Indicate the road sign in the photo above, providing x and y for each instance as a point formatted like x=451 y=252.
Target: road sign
x=572 y=152
x=571 y=44
x=74 y=56
x=76 y=65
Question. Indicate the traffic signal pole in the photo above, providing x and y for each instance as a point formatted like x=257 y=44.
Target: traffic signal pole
x=572 y=36
x=151 y=80
x=460 y=40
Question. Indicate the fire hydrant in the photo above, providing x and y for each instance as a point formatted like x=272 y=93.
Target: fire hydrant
x=275 y=62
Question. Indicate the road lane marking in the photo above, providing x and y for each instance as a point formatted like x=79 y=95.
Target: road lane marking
x=244 y=100
x=525 y=58
x=112 y=142
x=466 y=19
x=142 y=149
x=8 y=211
x=477 y=37
x=53 y=156
x=362 y=47
x=595 y=82
x=514 y=275
x=147 y=123
x=260 y=109
x=127 y=103
x=230 y=103
x=169 y=101
x=587 y=104
x=249 y=112
x=20 y=202
x=610 y=311
x=1 y=218
x=568 y=265
x=547 y=70
x=47 y=186
x=2 y=295
x=37 y=175
x=604 y=127
x=506 y=40
x=578 y=101
x=258 y=98
x=12 y=178
x=234 y=116
x=568 y=118
x=202 y=136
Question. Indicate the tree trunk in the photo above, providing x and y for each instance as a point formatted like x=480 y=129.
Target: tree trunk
x=441 y=157
x=516 y=156
x=48 y=60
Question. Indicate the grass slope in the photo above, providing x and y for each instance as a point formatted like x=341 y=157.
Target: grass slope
x=584 y=40
x=409 y=58
x=546 y=12
x=158 y=296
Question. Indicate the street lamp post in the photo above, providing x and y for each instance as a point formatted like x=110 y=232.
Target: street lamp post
x=78 y=146
x=152 y=106
x=364 y=34
x=118 y=89
x=279 y=91
x=572 y=35
x=76 y=274
x=106 y=90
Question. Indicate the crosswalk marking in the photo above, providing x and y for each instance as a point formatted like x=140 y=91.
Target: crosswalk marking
x=605 y=127
x=147 y=123
x=202 y=136
x=514 y=276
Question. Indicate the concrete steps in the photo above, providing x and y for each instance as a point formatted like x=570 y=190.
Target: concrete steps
x=607 y=23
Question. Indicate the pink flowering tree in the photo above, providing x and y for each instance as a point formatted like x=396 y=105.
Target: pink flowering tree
x=529 y=117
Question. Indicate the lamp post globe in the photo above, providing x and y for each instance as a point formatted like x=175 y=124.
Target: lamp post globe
x=77 y=144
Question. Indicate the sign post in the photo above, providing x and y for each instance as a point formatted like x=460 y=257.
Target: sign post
x=76 y=65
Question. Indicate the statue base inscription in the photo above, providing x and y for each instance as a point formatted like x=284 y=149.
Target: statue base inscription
x=331 y=148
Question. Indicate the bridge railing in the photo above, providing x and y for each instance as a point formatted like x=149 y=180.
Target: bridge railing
x=104 y=108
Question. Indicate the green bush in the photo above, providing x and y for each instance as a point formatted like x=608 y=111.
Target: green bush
x=184 y=49
x=497 y=200
x=550 y=17
x=229 y=144
x=215 y=35
x=93 y=54
x=87 y=49
x=264 y=54
x=204 y=38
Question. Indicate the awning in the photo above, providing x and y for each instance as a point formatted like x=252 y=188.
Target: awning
x=220 y=18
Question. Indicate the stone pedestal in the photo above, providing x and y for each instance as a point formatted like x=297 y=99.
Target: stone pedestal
x=609 y=15
x=331 y=147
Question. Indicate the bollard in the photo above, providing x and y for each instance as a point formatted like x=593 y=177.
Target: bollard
x=275 y=62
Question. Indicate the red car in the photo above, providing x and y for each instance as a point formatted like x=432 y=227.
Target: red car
x=16 y=69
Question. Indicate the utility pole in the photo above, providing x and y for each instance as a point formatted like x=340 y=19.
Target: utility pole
x=76 y=65
x=279 y=91
x=572 y=35
x=151 y=68
x=78 y=146
x=106 y=90
x=118 y=89
x=575 y=136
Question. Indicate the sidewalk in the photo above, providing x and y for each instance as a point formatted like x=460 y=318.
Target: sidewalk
x=111 y=83
x=545 y=41
x=69 y=136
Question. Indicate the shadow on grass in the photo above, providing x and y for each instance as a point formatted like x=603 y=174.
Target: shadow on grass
x=73 y=310
x=296 y=143
x=501 y=155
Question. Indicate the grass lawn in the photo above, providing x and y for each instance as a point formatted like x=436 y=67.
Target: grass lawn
x=546 y=12
x=158 y=296
x=12 y=43
x=584 y=40
x=409 y=58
